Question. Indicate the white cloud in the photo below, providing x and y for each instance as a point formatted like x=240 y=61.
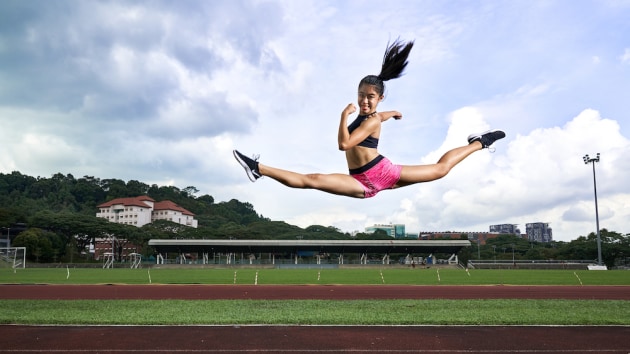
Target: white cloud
x=161 y=92
x=538 y=177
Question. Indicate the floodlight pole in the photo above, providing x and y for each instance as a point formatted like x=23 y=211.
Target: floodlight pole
x=592 y=160
x=478 y=249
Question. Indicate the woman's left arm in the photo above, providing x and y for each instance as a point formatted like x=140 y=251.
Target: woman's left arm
x=389 y=114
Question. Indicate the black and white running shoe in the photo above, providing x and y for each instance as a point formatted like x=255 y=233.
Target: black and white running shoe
x=486 y=138
x=250 y=165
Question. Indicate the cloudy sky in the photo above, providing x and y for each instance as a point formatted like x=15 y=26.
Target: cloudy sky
x=162 y=91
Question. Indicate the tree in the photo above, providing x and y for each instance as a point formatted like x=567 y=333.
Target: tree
x=190 y=191
x=232 y=230
x=319 y=232
x=136 y=188
x=274 y=230
x=206 y=200
x=376 y=235
x=15 y=181
x=115 y=188
x=614 y=246
x=41 y=245
x=88 y=193
x=8 y=217
x=81 y=229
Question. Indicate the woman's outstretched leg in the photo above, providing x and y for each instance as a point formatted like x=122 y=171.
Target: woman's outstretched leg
x=335 y=183
x=426 y=173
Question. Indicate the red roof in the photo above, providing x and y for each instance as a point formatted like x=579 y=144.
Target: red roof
x=168 y=205
x=135 y=201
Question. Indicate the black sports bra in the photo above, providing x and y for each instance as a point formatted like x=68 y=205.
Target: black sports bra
x=370 y=141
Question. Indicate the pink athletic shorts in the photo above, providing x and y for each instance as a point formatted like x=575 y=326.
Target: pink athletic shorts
x=377 y=175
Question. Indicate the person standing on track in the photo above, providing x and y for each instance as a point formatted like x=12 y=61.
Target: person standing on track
x=369 y=171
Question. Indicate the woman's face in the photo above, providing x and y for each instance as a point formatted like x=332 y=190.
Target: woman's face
x=368 y=99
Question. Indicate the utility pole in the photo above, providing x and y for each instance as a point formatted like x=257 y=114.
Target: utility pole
x=592 y=160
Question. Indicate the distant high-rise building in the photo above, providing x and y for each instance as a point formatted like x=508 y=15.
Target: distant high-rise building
x=505 y=229
x=393 y=230
x=539 y=232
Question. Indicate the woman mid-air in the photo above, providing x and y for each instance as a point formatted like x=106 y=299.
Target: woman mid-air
x=370 y=172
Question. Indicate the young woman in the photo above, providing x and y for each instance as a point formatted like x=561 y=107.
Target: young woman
x=370 y=172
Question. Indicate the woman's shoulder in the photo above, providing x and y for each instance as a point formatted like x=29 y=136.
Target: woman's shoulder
x=365 y=121
x=372 y=120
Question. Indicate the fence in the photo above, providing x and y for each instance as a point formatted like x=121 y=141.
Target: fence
x=529 y=264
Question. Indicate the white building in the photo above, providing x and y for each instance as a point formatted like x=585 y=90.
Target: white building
x=139 y=211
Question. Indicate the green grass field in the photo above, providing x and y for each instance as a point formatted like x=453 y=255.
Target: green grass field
x=315 y=312
x=353 y=276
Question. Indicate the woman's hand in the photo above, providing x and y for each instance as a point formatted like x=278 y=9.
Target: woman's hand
x=350 y=108
x=390 y=114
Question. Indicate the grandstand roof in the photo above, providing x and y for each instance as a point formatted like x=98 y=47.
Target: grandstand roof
x=323 y=246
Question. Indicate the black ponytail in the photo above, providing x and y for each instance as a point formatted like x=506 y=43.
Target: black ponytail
x=395 y=60
x=394 y=63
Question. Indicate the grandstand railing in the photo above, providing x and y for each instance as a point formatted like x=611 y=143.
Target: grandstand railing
x=529 y=264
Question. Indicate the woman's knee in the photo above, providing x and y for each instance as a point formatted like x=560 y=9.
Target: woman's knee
x=442 y=170
x=312 y=180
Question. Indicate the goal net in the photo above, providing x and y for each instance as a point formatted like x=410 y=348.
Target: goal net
x=13 y=257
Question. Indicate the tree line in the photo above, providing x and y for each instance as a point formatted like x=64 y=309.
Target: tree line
x=59 y=218
x=59 y=214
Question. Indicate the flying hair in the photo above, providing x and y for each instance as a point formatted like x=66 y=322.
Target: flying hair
x=395 y=60
x=394 y=64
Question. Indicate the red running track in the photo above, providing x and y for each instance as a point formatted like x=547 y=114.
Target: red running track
x=312 y=339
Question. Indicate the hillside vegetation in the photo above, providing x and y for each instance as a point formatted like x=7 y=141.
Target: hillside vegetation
x=56 y=220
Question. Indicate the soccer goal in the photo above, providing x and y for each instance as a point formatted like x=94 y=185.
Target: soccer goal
x=14 y=257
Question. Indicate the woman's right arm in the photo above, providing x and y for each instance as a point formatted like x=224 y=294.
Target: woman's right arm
x=343 y=136
x=347 y=141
